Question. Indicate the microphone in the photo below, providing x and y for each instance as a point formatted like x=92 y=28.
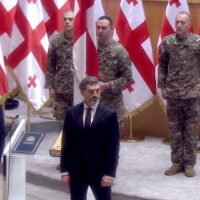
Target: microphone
x=16 y=117
x=13 y=118
x=14 y=125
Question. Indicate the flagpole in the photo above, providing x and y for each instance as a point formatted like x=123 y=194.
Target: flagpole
x=131 y=137
x=28 y=116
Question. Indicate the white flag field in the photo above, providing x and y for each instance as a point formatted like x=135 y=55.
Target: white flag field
x=168 y=27
x=137 y=42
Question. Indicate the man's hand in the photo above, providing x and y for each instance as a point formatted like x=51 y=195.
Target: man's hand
x=65 y=180
x=107 y=181
x=51 y=93
x=163 y=91
x=104 y=85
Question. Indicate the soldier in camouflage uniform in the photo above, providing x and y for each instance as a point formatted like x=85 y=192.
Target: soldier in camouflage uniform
x=114 y=67
x=179 y=80
x=59 y=74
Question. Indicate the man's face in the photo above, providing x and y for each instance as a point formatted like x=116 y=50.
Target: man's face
x=104 y=31
x=182 y=24
x=68 y=21
x=91 y=94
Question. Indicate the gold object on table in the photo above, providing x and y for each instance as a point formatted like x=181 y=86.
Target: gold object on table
x=55 y=151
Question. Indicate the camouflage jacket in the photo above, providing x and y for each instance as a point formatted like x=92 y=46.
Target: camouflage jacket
x=179 y=66
x=59 y=74
x=115 y=67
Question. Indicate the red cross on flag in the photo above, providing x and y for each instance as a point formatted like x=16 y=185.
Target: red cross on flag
x=29 y=44
x=199 y=30
x=84 y=51
x=168 y=27
x=53 y=15
x=132 y=32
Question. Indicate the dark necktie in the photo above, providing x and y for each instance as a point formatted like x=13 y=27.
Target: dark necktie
x=88 y=118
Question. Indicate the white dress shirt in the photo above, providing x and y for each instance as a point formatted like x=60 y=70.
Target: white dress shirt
x=93 y=111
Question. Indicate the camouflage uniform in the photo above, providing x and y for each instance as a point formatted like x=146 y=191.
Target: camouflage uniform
x=59 y=74
x=115 y=67
x=179 y=73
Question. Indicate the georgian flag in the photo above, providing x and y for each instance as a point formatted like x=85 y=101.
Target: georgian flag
x=132 y=32
x=168 y=27
x=84 y=50
x=28 y=51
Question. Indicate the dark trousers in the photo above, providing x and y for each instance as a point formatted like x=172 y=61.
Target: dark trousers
x=78 y=189
x=2 y=132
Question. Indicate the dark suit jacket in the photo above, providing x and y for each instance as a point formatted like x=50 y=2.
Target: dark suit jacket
x=90 y=152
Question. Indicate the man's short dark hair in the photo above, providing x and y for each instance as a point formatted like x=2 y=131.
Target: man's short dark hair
x=68 y=11
x=89 y=80
x=107 y=18
x=183 y=12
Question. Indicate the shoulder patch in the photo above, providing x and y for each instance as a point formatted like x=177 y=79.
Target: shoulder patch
x=162 y=48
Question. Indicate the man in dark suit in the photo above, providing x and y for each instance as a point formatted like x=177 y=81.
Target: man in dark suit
x=89 y=154
x=2 y=132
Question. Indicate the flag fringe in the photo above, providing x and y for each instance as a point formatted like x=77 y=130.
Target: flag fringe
x=18 y=91
x=144 y=106
x=14 y=92
x=162 y=105
x=2 y=100
x=22 y=96
x=12 y=73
